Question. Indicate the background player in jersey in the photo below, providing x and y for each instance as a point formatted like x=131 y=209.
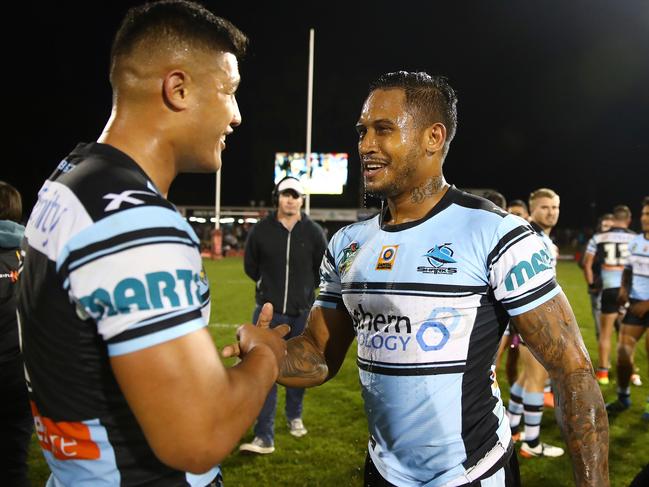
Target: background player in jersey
x=427 y=287
x=283 y=255
x=610 y=249
x=604 y=223
x=510 y=340
x=527 y=394
x=125 y=383
x=635 y=292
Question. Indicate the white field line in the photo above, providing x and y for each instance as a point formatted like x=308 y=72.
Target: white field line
x=224 y=325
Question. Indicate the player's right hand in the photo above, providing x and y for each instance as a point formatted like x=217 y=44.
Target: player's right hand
x=622 y=297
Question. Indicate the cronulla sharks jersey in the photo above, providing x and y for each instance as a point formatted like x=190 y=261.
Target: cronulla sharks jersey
x=429 y=301
x=110 y=268
x=638 y=263
x=611 y=249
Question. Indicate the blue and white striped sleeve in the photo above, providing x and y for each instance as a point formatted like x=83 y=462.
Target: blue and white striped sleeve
x=520 y=268
x=138 y=274
x=591 y=248
x=330 y=295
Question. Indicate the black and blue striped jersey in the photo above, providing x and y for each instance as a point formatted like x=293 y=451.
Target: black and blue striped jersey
x=429 y=301
x=110 y=268
x=610 y=249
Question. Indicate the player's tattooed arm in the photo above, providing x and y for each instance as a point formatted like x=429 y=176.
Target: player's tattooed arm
x=316 y=356
x=552 y=335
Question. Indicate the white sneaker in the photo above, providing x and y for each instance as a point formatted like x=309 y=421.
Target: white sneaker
x=296 y=427
x=635 y=380
x=257 y=446
x=540 y=450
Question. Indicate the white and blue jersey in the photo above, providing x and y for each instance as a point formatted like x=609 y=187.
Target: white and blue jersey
x=610 y=249
x=429 y=301
x=638 y=264
x=110 y=268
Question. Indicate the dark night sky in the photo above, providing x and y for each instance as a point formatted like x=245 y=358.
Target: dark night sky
x=550 y=93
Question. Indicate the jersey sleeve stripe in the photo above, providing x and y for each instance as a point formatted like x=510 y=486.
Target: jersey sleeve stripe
x=530 y=304
x=75 y=264
x=125 y=222
x=162 y=323
x=153 y=339
x=330 y=302
x=507 y=241
x=330 y=258
x=158 y=318
x=125 y=238
x=530 y=291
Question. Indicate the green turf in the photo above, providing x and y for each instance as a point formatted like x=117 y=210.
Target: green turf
x=333 y=452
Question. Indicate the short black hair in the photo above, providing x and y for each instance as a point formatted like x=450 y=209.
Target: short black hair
x=176 y=22
x=520 y=203
x=11 y=205
x=645 y=201
x=429 y=98
x=496 y=198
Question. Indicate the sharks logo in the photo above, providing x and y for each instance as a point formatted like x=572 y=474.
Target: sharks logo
x=439 y=257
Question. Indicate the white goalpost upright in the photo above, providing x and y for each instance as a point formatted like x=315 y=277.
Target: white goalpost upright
x=309 y=116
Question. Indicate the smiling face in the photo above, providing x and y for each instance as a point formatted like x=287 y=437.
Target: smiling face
x=213 y=113
x=390 y=145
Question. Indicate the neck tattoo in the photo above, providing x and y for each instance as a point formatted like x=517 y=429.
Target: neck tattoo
x=431 y=187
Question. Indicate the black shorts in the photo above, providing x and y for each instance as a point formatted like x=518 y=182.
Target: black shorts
x=609 y=300
x=631 y=319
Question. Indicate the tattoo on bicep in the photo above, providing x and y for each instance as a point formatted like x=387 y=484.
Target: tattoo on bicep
x=549 y=330
x=430 y=187
x=303 y=361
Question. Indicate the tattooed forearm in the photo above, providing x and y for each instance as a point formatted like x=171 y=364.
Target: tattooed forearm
x=582 y=417
x=552 y=335
x=304 y=365
x=430 y=187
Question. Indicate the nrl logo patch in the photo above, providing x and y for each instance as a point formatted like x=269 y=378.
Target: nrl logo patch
x=348 y=257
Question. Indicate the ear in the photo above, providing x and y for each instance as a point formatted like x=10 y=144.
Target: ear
x=434 y=138
x=174 y=90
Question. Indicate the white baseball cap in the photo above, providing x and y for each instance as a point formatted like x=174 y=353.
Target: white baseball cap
x=291 y=183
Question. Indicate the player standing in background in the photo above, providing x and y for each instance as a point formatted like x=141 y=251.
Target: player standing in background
x=283 y=255
x=634 y=291
x=518 y=208
x=595 y=288
x=527 y=394
x=610 y=249
x=511 y=341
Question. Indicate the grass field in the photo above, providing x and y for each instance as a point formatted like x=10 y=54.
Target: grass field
x=333 y=452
